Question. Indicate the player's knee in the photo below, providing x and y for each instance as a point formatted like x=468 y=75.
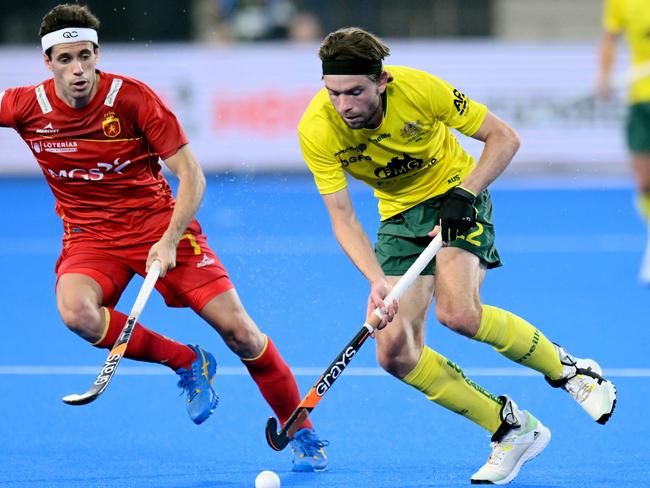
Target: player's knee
x=397 y=362
x=82 y=318
x=462 y=319
x=243 y=337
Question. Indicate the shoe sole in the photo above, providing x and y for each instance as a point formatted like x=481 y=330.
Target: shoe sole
x=532 y=452
x=307 y=469
x=595 y=367
x=605 y=417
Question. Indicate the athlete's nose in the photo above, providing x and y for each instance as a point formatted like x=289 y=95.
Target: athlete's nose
x=345 y=103
x=77 y=68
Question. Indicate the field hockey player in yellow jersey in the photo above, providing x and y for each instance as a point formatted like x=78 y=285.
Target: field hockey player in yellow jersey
x=632 y=18
x=389 y=126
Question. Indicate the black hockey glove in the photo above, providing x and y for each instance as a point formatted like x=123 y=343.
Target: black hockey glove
x=457 y=213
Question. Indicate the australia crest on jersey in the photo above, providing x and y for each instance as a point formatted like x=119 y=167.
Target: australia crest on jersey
x=111 y=125
x=411 y=129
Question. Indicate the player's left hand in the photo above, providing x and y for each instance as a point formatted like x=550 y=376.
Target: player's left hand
x=457 y=213
x=165 y=251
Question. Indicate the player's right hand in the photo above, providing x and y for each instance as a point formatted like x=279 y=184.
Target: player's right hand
x=378 y=291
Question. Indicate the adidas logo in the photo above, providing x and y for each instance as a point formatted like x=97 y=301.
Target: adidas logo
x=206 y=261
x=48 y=129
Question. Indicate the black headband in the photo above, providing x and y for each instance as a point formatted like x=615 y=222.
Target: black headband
x=354 y=66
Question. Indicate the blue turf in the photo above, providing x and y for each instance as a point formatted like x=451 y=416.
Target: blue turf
x=571 y=261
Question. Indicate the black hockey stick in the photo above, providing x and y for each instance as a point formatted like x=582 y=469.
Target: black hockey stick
x=118 y=350
x=279 y=440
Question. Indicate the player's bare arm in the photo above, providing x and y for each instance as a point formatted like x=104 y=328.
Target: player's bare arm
x=457 y=214
x=606 y=60
x=355 y=243
x=501 y=144
x=191 y=186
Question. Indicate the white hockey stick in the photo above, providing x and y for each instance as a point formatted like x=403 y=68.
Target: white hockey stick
x=118 y=350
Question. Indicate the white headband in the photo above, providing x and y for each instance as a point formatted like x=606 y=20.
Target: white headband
x=68 y=35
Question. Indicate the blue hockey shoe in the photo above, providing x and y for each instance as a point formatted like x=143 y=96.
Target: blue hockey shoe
x=308 y=453
x=197 y=382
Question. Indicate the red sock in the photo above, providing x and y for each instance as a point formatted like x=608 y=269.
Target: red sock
x=146 y=345
x=276 y=382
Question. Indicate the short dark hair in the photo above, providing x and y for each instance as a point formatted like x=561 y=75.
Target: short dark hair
x=67 y=15
x=353 y=42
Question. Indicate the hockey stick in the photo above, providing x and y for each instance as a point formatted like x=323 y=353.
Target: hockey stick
x=117 y=353
x=279 y=440
x=589 y=105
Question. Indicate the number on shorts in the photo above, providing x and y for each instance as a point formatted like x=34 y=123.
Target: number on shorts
x=471 y=236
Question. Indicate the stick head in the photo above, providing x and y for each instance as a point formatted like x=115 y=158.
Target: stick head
x=83 y=399
x=277 y=440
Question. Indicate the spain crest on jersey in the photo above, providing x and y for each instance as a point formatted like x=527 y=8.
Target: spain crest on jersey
x=111 y=125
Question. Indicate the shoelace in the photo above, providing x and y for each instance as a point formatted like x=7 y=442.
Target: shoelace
x=579 y=387
x=498 y=453
x=310 y=444
x=188 y=384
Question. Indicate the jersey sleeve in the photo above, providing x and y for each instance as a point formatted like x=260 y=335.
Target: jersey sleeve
x=7 y=108
x=159 y=124
x=612 y=16
x=454 y=108
x=328 y=174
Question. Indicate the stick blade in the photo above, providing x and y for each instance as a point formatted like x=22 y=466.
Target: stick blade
x=76 y=399
x=277 y=440
x=84 y=398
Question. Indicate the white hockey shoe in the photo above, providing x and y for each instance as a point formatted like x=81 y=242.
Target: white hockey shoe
x=519 y=439
x=583 y=380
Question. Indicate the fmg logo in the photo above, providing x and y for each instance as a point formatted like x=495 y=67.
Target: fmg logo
x=398 y=166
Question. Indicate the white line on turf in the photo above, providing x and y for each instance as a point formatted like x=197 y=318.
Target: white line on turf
x=20 y=370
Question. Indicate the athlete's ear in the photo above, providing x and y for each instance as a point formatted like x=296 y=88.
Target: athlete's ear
x=383 y=80
x=47 y=61
x=96 y=54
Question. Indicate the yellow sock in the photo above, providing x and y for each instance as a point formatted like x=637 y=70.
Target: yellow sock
x=643 y=204
x=445 y=383
x=519 y=341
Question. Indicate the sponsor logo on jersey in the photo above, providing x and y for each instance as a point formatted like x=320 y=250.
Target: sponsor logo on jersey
x=48 y=129
x=36 y=146
x=90 y=174
x=345 y=162
x=360 y=148
x=460 y=102
x=380 y=137
x=398 y=166
x=59 y=146
x=401 y=167
x=111 y=125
